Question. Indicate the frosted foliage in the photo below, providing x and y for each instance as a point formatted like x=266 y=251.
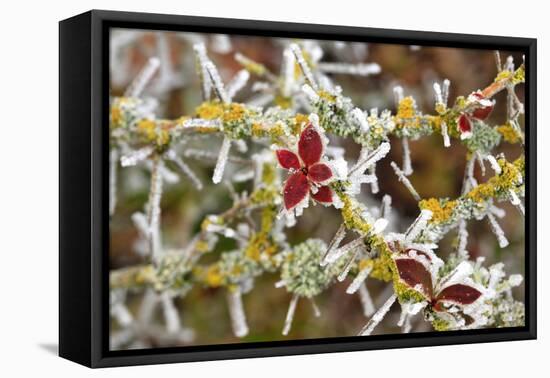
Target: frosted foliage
x=288 y=140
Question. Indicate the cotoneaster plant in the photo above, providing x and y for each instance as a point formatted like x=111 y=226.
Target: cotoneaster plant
x=290 y=121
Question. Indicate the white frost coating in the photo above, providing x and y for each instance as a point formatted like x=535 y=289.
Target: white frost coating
x=142 y=79
x=113 y=165
x=334 y=243
x=222 y=160
x=379 y=225
x=361 y=119
x=153 y=209
x=360 y=69
x=344 y=273
x=217 y=82
x=398 y=94
x=514 y=199
x=462 y=239
x=366 y=300
x=408 y=324
x=497 y=211
x=378 y=316
x=480 y=161
x=136 y=156
x=344 y=250
x=373 y=185
x=316 y=310
x=170 y=313
x=200 y=123
x=290 y=314
x=385 y=208
x=287 y=72
x=418 y=225
x=184 y=168
x=280 y=284
x=497 y=230
x=438 y=95
x=457 y=275
x=515 y=280
x=365 y=162
x=221 y=43
x=358 y=280
x=494 y=164
x=236 y=312
x=407 y=166
x=200 y=53
x=304 y=66
x=140 y=221
x=237 y=83
x=445 y=133
x=445 y=91
x=405 y=181
x=122 y=315
x=147 y=306
x=310 y=93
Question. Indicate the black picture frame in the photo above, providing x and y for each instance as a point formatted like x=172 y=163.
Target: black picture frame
x=83 y=195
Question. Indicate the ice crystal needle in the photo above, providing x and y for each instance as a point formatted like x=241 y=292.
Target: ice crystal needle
x=405 y=181
x=236 y=312
x=290 y=314
x=366 y=300
x=378 y=316
x=222 y=160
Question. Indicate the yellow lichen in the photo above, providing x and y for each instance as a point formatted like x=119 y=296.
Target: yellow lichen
x=406 y=108
x=352 y=215
x=154 y=131
x=214 y=277
x=509 y=133
x=116 y=116
x=510 y=177
x=442 y=210
x=326 y=96
x=217 y=110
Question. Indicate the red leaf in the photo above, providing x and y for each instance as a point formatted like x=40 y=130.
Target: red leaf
x=296 y=189
x=419 y=253
x=288 y=159
x=481 y=112
x=464 y=124
x=324 y=194
x=414 y=273
x=310 y=146
x=458 y=293
x=319 y=172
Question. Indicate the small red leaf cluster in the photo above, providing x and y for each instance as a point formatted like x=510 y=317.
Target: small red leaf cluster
x=414 y=274
x=481 y=112
x=307 y=173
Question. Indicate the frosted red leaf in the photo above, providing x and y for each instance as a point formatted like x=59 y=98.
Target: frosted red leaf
x=413 y=273
x=464 y=124
x=482 y=112
x=459 y=293
x=324 y=194
x=288 y=159
x=296 y=189
x=319 y=172
x=310 y=170
x=310 y=146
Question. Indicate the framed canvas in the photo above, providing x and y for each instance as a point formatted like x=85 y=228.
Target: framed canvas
x=235 y=188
